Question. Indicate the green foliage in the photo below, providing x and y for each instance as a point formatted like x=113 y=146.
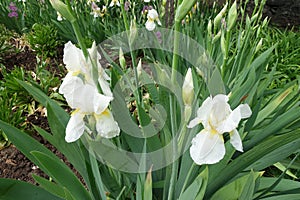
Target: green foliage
x=236 y=63
x=5 y=46
x=44 y=40
x=286 y=57
x=14 y=189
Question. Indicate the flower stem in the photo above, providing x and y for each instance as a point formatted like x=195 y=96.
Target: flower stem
x=175 y=51
x=173 y=109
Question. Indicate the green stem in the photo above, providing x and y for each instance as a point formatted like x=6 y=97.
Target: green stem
x=132 y=54
x=226 y=53
x=174 y=148
x=80 y=38
x=176 y=51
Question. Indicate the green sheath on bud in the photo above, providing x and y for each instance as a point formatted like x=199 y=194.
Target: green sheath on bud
x=183 y=9
x=63 y=10
x=223 y=45
x=216 y=37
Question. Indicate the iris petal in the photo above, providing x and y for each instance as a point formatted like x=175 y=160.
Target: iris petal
x=106 y=126
x=236 y=141
x=207 y=148
x=75 y=127
x=150 y=25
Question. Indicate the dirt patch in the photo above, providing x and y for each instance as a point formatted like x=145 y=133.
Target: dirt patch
x=283 y=13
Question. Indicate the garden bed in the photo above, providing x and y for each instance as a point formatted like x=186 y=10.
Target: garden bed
x=14 y=165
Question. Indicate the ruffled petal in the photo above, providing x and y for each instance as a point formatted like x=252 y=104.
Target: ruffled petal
x=152 y=14
x=231 y=122
x=72 y=57
x=221 y=98
x=207 y=148
x=236 y=141
x=106 y=126
x=75 y=127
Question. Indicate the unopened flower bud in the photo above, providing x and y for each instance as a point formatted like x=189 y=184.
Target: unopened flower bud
x=139 y=68
x=63 y=10
x=259 y=45
x=122 y=60
x=133 y=30
x=232 y=16
x=209 y=28
x=183 y=9
x=254 y=17
x=216 y=37
x=223 y=44
x=188 y=88
x=217 y=20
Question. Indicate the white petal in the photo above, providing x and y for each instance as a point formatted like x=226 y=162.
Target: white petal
x=152 y=14
x=67 y=85
x=93 y=52
x=207 y=148
x=221 y=97
x=70 y=88
x=230 y=123
x=111 y=4
x=236 y=141
x=245 y=110
x=105 y=87
x=100 y=102
x=194 y=122
x=150 y=25
x=75 y=127
x=106 y=126
x=72 y=57
x=204 y=111
x=158 y=22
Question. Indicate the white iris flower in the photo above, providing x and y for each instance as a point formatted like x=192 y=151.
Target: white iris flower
x=114 y=2
x=152 y=17
x=217 y=118
x=82 y=95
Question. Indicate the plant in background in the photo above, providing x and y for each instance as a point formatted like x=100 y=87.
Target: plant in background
x=5 y=36
x=44 y=40
x=150 y=159
x=11 y=111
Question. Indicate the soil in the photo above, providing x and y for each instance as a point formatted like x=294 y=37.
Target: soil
x=13 y=164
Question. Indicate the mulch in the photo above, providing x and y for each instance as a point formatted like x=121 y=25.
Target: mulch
x=13 y=164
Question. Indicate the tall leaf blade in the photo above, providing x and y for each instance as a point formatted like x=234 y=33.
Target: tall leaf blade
x=62 y=175
x=14 y=189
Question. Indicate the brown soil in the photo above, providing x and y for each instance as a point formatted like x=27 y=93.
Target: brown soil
x=13 y=164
